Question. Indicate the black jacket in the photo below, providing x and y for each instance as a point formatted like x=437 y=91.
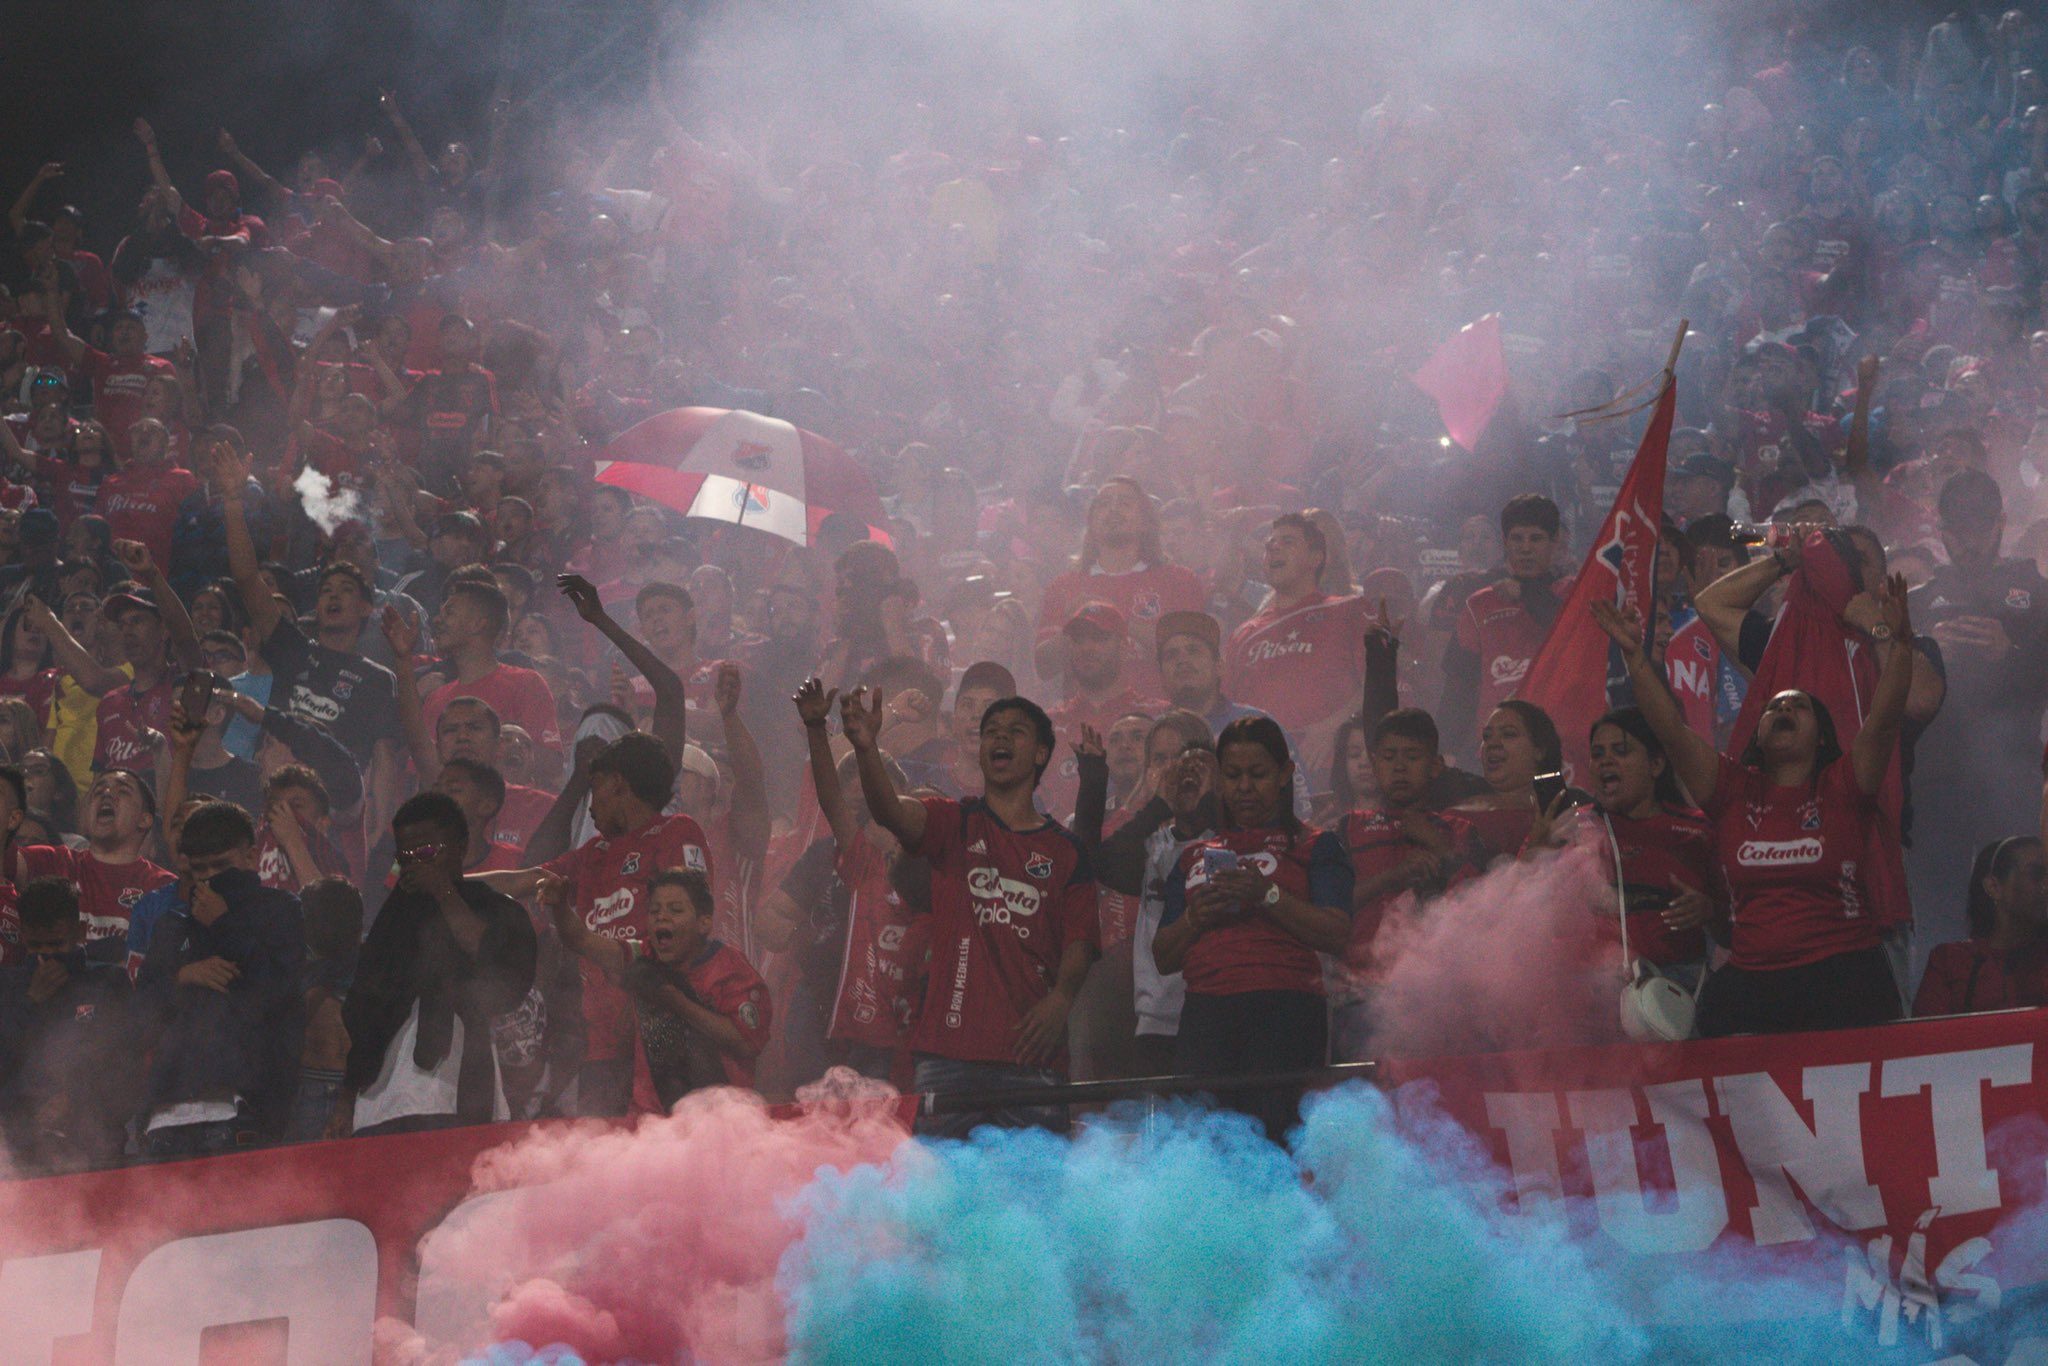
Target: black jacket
x=246 y=1040
x=412 y=956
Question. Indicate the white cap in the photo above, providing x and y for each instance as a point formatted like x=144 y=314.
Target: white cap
x=697 y=761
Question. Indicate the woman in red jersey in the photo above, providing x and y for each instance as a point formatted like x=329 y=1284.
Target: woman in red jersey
x=1792 y=817
x=2004 y=962
x=1247 y=912
x=1518 y=742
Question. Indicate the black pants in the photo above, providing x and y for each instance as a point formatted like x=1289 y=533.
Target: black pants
x=1253 y=1032
x=1842 y=992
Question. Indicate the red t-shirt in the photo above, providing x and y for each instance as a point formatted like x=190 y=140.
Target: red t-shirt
x=1142 y=595
x=107 y=892
x=36 y=690
x=1300 y=665
x=1657 y=855
x=1376 y=844
x=521 y=697
x=607 y=884
x=126 y=716
x=141 y=503
x=521 y=815
x=726 y=982
x=881 y=975
x=1971 y=976
x=1253 y=953
x=117 y=385
x=1005 y=906
x=1791 y=856
x=1499 y=630
x=72 y=491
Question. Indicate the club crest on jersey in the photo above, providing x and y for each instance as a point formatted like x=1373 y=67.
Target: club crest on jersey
x=2019 y=599
x=1809 y=816
x=1145 y=606
x=342 y=689
x=693 y=858
x=1038 y=865
x=631 y=865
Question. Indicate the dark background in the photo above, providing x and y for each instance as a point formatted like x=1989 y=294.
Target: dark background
x=285 y=74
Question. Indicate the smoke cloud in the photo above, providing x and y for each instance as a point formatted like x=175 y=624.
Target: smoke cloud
x=1503 y=961
x=326 y=507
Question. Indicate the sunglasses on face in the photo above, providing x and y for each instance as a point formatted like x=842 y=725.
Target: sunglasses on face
x=421 y=853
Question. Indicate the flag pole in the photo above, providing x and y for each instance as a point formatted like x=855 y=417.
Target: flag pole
x=1671 y=361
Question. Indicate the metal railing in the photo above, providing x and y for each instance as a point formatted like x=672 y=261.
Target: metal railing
x=1141 y=1088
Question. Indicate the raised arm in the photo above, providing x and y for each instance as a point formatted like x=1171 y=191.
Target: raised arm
x=415 y=155
x=225 y=141
x=143 y=568
x=1692 y=756
x=901 y=816
x=47 y=172
x=1723 y=603
x=1856 y=457
x=72 y=657
x=814 y=708
x=1871 y=751
x=146 y=135
x=1382 y=668
x=671 y=702
x=748 y=803
x=228 y=471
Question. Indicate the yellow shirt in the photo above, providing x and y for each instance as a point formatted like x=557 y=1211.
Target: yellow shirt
x=74 y=726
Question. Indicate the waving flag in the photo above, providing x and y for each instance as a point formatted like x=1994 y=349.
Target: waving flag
x=1468 y=377
x=730 y=465
x=1578 y=669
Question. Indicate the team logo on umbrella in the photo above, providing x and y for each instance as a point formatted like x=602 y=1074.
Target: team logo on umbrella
x=750 y=499
x=752 y=455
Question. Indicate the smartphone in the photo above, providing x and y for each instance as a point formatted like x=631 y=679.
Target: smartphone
x=1549 y=787
x=198 y=694
x=1216 y=861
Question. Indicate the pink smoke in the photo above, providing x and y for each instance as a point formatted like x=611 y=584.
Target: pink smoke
x=1505 y=961
x=661 y=1242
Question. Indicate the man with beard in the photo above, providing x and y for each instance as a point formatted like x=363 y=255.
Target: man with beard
x=1121 y=563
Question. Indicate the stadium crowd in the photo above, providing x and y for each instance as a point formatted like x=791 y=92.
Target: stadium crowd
x=372 y=764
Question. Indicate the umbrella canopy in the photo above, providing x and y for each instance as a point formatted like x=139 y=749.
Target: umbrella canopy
x=730 y=465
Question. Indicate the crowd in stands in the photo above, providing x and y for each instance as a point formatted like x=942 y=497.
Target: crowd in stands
x=372 y=765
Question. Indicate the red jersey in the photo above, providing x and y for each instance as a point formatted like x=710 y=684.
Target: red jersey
x=127 y=716
x=881 y=976
x=1971 y=975
x=724 y=981
x=1141 y=594
x=607 y=884
x=36 y=690
x=1791 y=856
x=141 y=503
x=117 y=385
x=521 y=815
x=1376 y=844
x=72 y=491
x=107 y=892
x=1658 y=853
x=1252 y=952
x=1497 y=628
x=521 y=697
x=1299 y=665
x=1499 y=830
x=1005 y=906
x=274 y=866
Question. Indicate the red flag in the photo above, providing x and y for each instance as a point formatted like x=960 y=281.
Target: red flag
x=1576 y=671
x=1468 y=377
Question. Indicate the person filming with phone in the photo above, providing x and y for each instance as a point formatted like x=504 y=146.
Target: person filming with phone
x=1247 y=912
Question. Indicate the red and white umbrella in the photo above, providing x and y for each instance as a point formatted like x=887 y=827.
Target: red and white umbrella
x=733 y=466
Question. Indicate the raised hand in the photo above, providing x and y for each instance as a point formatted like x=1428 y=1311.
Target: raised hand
x=814 y=701
x=1090 y=744
x=861 y=723
x=402 y=633
x=145 y=134
x=1385 y=624
x=1892 y=609
x=725 y=687
x=582 y=595
x=134 y=557
x=48 y=171
x=225 y=142
x=1866 y=373
x=1624 y=627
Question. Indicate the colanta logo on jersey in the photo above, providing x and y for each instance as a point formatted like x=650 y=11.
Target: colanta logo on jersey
x=1000 y=900
x=606 y=909
x=313 y=706
x=1777 y=853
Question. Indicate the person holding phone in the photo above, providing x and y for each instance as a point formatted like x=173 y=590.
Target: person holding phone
x=1792 y=816
x=1247 y=912
x=1517 y=744
x=1663 y=845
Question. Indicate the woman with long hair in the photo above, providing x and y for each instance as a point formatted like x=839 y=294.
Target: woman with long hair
x=1661 y=848
x=28 y=666
x=2004 y=962
x=1350 y=786
x=1518 y=741
x=1247 y=912
x=21 y=729
x=1792 y=816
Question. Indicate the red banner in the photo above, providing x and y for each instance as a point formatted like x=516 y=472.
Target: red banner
x=1906 y=1162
